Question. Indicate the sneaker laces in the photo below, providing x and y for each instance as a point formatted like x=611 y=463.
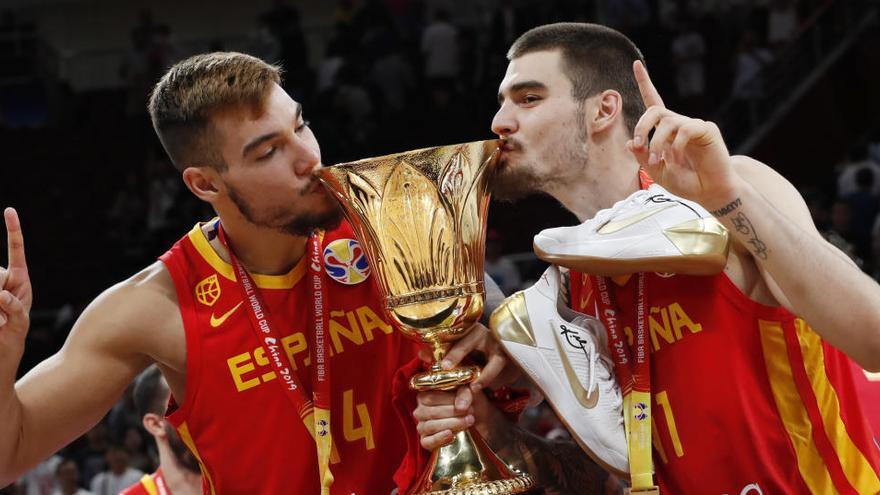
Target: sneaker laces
x=600 y=364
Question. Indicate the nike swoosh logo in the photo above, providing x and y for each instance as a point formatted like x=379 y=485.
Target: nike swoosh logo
x=216 y=322
x=617 y=225
x=584 y=301
x=577 y=389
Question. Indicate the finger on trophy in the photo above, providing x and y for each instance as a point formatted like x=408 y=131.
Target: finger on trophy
x=496 y=372
x=463 y=398
x=437 y=440
x=469 y=343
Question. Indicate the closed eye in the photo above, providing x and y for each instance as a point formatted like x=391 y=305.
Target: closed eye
x=268 y=154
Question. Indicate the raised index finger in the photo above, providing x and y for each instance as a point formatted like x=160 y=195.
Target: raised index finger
x=15 y=239
x=650 y=96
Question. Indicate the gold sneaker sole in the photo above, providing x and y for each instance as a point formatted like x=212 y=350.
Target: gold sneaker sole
x=703 y=242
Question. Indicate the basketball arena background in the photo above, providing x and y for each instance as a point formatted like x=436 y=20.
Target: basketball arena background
x=794 y=83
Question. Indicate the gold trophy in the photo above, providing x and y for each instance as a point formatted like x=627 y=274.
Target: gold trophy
x=421 y=219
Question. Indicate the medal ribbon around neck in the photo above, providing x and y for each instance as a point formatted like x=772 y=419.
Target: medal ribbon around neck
x=633 y=371
x=314 y=411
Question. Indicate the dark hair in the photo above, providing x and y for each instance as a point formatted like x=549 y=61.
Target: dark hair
x=184 y=99
x=150 y=392
x=594 y=58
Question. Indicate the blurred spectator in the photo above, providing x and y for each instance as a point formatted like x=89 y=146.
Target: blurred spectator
x=344 y=12
x=164 y=187
x=67 y=476
x=688 y=49
x=142 y=32
x=782 y=23
x=41 y=479
x=627 y=16
x=858 y=159
x=264 y=44
x=506 y=25
x=161 y=53
x=440 y=49
x=393 y=75
x=750 y=60
x=334 y=59
x=840 y=232
x=118 y=476
x=353 y=104
x=284 y=22
x=91 y=457
x=178 y=469
x=133 y=442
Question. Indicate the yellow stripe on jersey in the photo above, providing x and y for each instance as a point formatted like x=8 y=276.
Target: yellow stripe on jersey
x=191 y=445
x=286 y=281
x=856 y=468
x=791 y=409
x=149 y=485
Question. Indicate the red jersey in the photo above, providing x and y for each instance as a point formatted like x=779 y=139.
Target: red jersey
x=150 y=484
x=237 y=419
x=868 y=388
x=747 y=399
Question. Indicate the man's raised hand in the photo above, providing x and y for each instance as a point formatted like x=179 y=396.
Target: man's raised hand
x=687 y=156
x=16 y=295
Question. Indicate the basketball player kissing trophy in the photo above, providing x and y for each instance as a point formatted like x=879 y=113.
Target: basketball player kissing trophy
x=421 y=217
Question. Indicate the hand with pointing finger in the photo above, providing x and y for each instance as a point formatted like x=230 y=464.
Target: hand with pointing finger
x=686 y=156
x=16 y=295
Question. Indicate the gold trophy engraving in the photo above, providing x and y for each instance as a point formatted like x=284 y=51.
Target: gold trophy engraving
x=421 y=219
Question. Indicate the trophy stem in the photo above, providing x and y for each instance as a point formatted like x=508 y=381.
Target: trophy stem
x=467 y=466
x=439 y=379
x=439 y=350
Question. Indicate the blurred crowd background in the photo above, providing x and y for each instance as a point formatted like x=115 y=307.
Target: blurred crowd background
x=791 y=82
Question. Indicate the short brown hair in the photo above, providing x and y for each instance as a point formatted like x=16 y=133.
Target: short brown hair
x=184 y=99
x=594 y=58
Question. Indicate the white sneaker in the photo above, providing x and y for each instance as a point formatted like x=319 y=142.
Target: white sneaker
x=650 y=231
x=565 y=353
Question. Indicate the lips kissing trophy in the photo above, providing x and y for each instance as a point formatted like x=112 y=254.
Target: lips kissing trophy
x=421 y=218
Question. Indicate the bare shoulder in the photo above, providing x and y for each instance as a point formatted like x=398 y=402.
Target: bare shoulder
x=136 y=316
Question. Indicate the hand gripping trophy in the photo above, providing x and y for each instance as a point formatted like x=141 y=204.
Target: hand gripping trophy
x=421 y=217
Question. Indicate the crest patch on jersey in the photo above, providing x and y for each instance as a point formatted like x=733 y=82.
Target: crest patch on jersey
x=208 y=290
x=346 y=261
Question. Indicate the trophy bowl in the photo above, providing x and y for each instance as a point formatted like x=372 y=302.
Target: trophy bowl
x=421 y=219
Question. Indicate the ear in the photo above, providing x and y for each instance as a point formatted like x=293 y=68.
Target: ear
x=608 y=109
x=154 y=424
x=204 y=182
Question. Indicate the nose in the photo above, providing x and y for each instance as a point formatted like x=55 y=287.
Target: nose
x=307 y=156
x=504 y=124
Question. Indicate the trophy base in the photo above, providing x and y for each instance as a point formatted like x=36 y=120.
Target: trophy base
x=468 y=467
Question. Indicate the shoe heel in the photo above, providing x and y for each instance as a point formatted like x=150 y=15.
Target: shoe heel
x=702 y=241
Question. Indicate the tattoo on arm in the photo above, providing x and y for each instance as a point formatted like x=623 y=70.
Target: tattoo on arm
x=743 y=225
x=728 y=208
x=560 y=466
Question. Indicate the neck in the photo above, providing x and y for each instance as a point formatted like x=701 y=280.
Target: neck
x=259 y=249
x=611 y=174
x=180 y=480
